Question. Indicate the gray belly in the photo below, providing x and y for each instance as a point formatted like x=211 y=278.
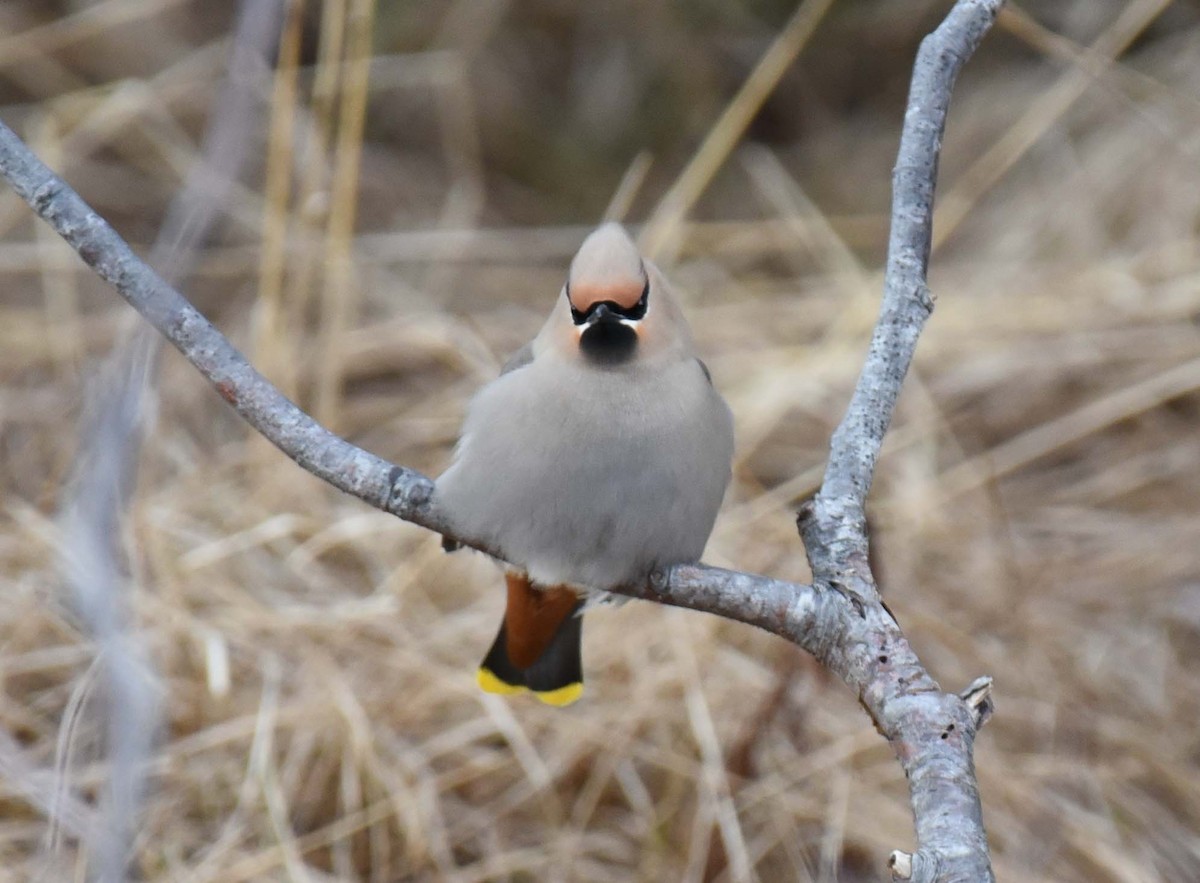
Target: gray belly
x=591 y=494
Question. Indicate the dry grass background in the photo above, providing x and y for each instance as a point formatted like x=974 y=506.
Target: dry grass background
x=1036 y=508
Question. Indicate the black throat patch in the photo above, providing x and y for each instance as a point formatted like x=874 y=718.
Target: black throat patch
x=609 y=343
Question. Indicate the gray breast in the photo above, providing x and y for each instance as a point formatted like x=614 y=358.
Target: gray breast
x=592 y=484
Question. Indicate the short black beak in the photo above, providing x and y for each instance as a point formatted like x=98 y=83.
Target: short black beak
x=602 y=313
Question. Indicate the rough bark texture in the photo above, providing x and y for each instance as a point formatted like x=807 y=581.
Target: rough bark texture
x=839 y=619
x=932 y=732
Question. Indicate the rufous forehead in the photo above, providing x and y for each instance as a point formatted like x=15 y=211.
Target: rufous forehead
x=624 y=294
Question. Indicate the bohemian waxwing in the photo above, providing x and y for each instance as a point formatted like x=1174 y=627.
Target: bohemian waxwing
x=600 y=453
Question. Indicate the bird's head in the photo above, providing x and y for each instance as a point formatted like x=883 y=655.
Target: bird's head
x=616 y=308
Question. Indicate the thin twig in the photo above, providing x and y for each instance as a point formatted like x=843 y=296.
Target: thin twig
x=840 y=619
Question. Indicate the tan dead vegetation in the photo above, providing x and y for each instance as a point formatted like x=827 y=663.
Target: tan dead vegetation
x=1036 y=508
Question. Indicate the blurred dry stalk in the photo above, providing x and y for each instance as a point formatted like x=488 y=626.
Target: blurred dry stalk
x=1071 y=573
x=120 y=406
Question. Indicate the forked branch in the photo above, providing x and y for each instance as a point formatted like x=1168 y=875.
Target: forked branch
x=839 y=619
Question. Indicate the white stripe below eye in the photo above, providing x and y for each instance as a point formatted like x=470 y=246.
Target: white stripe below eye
x=628 y=323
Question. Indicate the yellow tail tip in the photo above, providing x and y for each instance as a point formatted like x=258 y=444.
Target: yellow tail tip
x=562 y=696
x=489 y=683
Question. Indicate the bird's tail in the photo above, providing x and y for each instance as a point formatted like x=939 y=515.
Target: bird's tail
x=538 y=646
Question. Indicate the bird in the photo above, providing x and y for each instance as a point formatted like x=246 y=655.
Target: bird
x=601 y=452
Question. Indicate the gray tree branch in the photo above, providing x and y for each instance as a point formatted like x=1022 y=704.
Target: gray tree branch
x=840 y=619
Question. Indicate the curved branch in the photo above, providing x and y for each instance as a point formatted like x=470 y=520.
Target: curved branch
x=840 y=619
